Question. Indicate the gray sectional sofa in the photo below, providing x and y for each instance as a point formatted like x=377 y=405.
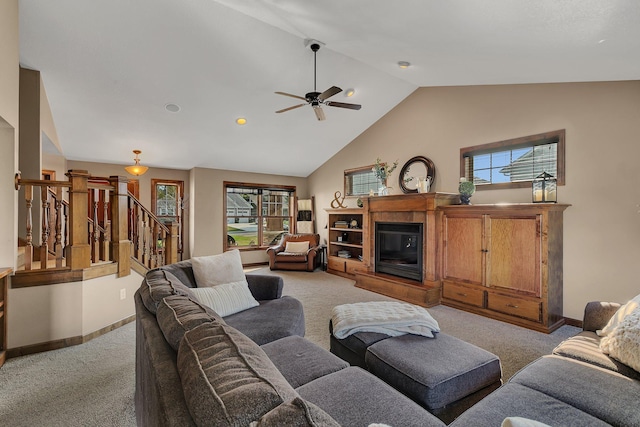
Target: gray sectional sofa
x=255 y=368
x=195 y=368
x=577 y=385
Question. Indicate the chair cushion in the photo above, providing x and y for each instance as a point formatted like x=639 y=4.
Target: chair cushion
x=354 y=397
x=296 y=413
x=603 y=394
x=300 y=361
x=158 y=284
x=227 y=379
x=271 y=320
x=178 y=314
x=586 y=347
x=291 y=257
x=515 y=400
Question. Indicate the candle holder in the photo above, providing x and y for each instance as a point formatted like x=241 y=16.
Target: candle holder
x=543 y=189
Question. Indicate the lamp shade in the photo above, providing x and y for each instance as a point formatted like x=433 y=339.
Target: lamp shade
x=137 y=169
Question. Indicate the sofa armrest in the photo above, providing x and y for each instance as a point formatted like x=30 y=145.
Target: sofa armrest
x=264 y=287
x=597 y=314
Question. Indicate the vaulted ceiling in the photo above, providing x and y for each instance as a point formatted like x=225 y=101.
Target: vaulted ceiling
x=111 y=66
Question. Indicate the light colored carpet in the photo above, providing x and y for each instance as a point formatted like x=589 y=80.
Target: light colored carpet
x=93 y=384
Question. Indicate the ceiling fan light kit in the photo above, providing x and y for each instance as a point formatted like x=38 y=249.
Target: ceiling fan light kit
x=315 y=98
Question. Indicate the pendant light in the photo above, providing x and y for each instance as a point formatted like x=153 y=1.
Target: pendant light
x=136 y=169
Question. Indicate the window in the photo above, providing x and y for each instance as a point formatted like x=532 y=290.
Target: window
x=360 y=181
x=514 y=163
x=168 y=205
x=256 y=216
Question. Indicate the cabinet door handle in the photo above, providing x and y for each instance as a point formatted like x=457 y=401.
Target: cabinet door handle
x=461 y=294
x=511 y=305
x=485 y=250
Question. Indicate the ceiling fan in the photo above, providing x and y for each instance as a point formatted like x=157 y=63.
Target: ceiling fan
x=316 y=99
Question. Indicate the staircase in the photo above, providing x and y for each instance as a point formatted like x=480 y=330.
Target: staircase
x=89 y=226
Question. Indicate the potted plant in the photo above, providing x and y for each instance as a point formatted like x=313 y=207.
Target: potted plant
x=382 y=172
x=466 y=189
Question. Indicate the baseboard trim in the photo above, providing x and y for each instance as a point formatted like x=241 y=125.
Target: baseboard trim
x=66 y=342
x=573 y=322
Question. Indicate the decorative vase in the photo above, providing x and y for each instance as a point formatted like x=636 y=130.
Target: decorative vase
x=465 y=199
x=383 y=190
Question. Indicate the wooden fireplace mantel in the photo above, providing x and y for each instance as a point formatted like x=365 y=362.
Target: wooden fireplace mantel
x=408 y=208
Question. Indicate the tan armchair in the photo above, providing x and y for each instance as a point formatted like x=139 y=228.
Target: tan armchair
x=298 y=256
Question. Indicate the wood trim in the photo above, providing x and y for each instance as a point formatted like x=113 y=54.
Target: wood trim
x=66 y=342
x=573 y=322
x=25 y=279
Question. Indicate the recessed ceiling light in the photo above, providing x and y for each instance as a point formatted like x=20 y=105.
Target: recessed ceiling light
x=602 y=41
x=172 y=108
x=349 y=92
x=241 y=121
x=403 y=64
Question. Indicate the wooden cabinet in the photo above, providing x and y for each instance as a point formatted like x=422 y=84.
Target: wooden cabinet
x=346 y=245
x=4 y=277
x=505 y=262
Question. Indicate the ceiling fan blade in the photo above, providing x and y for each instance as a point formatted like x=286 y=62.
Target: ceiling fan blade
x=290 y=108
x=319 y=113
x=329 y=93
x=292 y=96
x=343 y=105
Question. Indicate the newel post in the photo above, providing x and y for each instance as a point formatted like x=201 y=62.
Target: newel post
x=79 y=250
x=172 y=244
x=120 y=243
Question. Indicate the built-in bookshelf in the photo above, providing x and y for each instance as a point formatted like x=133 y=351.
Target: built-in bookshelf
x=346 y=251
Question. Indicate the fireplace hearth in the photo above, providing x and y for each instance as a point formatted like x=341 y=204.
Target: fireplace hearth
x=398 y=249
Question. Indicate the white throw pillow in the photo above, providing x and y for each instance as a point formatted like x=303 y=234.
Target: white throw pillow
x=296 y=247
x=226 y=299
x=623 y=343
x=521 y=422
x=617 y=318
x=218 y=269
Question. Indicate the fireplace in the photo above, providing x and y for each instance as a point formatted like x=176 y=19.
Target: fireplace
x=398 y=249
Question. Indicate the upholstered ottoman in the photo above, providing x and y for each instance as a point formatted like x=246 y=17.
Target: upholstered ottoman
x=444 y=374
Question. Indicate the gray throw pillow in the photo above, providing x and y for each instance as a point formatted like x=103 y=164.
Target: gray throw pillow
x=296 y=413
x=227 y=379
x=178 y=314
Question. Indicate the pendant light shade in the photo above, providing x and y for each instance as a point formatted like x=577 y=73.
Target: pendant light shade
x=136 y=169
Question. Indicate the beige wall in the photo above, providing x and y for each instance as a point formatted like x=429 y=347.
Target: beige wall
x=106 y=170
x=42 y=314
x=9 y=101
x=602 y=122
x=206 y=202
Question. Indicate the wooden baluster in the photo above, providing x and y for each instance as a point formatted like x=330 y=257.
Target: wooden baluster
x=95 y=241
x=143 y=238
x=106 y=224
x=28 y=250
x=44 y=248
x=57 y=244
x=66 y=228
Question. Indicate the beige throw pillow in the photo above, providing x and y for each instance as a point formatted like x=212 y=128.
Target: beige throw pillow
x=226 y=299
x=623 y=343
x=296 y=247
x=218 y=269
x=617 y=318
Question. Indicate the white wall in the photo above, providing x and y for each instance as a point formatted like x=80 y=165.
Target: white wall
x=602 y=122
